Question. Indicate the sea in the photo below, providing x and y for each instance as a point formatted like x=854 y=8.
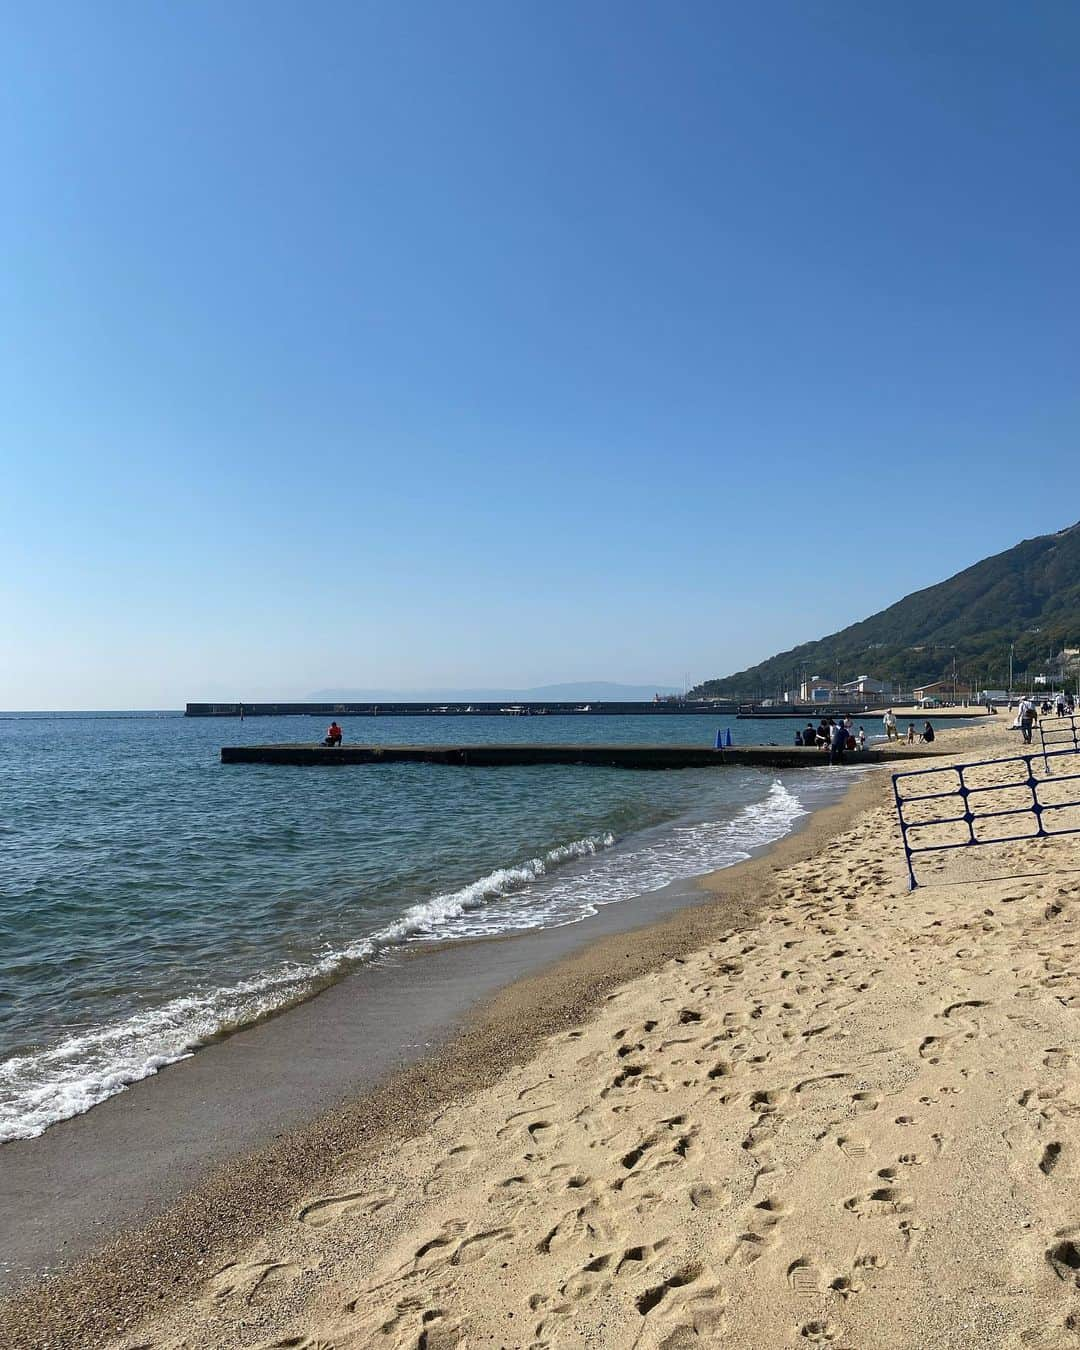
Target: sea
x=153 y=900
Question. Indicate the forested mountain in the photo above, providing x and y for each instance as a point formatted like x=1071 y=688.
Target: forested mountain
x=1027 y=597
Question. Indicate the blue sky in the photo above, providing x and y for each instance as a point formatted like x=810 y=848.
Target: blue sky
x=505 y=343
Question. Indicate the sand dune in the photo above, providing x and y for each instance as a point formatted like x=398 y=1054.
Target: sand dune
x=857 y=1125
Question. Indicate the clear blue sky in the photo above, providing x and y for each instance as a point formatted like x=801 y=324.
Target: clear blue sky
x=505 y=343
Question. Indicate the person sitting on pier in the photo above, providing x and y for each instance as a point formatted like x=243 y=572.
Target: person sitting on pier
x=333 y=734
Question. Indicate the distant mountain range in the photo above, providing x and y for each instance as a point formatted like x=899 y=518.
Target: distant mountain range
x=598 y=690
x=1027 y=598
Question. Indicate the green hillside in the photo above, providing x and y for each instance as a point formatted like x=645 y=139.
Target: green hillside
x=1027 y=597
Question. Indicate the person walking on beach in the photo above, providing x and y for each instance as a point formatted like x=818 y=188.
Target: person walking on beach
x=333 y=734
x=837 y=744
x=1027 y=718
x=889 y=722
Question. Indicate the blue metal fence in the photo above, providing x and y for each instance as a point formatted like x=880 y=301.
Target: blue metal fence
x=1033 y=798
x=1058 y=736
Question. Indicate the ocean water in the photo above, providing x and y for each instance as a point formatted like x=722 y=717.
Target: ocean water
x=152 y=899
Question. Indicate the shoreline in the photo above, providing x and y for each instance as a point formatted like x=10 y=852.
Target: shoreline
x=142 y=1267
x=848 y=1115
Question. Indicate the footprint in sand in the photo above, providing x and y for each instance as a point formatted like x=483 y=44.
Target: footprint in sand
x=805 y=1277
x=1051 y=1157
x=244 y=1281
x=686 y=1308
x=912 y=1230
x=329 y=1208
x=747 y=1249
x=514 y=1120
x=866 y=1101
x=854 y=1146
x=706 y=1197
x=768 y=1212
x=820 y=1332
x=412 y=1324
x=458 y=1161
x=1064 y=1256
x=302 y=1343
x=475 y=1248
x=438 y=1249
x=847 y=1286
x=586 y=1281
x=881 y=1200
x=543 y=1133
x=586 y=1225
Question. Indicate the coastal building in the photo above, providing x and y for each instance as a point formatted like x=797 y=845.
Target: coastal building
x=817 y=689
x=863 y=685
x=943 y=691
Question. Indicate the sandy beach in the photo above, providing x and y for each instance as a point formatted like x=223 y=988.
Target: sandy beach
x=814 y=1109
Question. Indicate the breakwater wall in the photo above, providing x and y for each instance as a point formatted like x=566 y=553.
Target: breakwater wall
x=530 y=709
x=609 y=756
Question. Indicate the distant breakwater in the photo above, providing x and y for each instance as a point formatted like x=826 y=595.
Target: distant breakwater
x=683 y=707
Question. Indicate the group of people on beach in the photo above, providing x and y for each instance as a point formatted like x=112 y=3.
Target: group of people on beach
x=892 y=731
x=833 y=735
x=838 y=736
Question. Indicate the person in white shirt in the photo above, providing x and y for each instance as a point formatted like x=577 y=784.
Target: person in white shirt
x=889 y=722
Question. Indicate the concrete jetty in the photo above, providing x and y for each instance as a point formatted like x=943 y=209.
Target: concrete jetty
x=610 y=756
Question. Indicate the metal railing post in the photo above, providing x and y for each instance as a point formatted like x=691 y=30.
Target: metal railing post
x=969 y=796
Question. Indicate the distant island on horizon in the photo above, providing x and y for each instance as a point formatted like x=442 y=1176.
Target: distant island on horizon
x=600 y=690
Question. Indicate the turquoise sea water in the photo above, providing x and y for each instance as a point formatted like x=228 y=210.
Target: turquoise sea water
x=152 y=898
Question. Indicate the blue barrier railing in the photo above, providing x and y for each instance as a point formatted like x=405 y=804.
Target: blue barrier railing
x=1058 y=736
x=1033 y=797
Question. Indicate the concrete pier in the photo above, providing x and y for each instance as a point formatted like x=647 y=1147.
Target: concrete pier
x=611 y=756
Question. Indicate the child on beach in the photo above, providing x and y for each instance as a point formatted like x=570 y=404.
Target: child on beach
x=911 y=733
x=862 y=739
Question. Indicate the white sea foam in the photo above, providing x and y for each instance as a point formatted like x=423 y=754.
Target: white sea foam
x=50 y=1085
x=654 y=861
x=565 y=885
x=430 y=917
